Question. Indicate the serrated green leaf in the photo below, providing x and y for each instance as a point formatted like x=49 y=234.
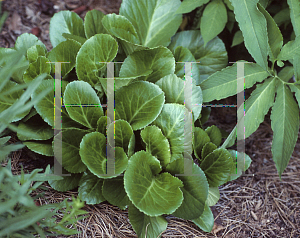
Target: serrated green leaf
x=159 y=21
x=208 y=148
x=195 y=190
x=254 y=27
x=296 y=90
x=114 y=192
x=223 y=84
x=142 y=181
x=173 y=88
x=93 y=55
x=93 y=155
x=216 y=166
x=189 y=5
x=93 y=23
x=206 y=221
x=139 y=113
x=90 y=189
x=295 y=15
x=290 y=50
x=214 y=134
x=286 y=73
x=256 y=107
x=285 y=126
x=65 y=22
x=213 y=20
x=146 y=226
x=237 y=38
x=88 y=109
x=156 y=144
x=65 y=51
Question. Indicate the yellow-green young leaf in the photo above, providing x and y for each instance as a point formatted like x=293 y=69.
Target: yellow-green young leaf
x=290 y=50
x=254 y=27
x=189 y=5
x=256 y=107
x=237 y=38
x=213 y=20
x=295 y=15
x=223 y=83
x=285 y=125
x=274 y=34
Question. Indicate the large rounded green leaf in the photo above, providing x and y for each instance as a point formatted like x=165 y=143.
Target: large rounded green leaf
x=160 y=60
x=213 y=196
x=154 y=20
x=71 y=139
x=87 y=107
x=65 y=22
x=199 y=140
x=217 y=166
x=99 y=48
x=40 y=147
x=152 y=193
x=171 y=122
x=122 y=132
x=139 y=103
x=25 y=41
x=214 y=134
x=9 y=99
x=212 y=57
x=93 y=154
x=195 y=190
x=114 y=192
x=93 y=24
x=40 y=66
x=206 y=221
x=146 y=226
x=157 y=144
x=65 y=51
x=67 y=183
x=173 y=88
x=90 y=189
x=33 y=131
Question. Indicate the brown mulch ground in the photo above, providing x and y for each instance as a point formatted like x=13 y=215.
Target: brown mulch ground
x=251 y=206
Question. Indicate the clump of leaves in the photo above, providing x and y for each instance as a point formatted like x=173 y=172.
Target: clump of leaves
x=21 y=217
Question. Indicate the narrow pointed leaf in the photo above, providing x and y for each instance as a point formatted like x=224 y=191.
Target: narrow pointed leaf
x=295 y=15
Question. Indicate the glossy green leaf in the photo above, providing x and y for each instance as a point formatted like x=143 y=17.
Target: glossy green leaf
x=26 y=41
x=171 y=122
x=93 y=23
x=216 y=166
x=40 y=66
x=99 y=48
x=285 y=126
x=159 y=22
x=93 y=155
x=160 y=60
x=213 y=196
x=34 y=52
x=102 y=124
x=65 y=22
x=70 y=145
x=122 y=132
x=173 y=88
x=88 y=109
x=286 y=73
x=254 y=27
x=40 y=147
x=146 y=226
x=208 y=148
x=296 y=90
x=199 y=140
x=223 y=84
x=206 y=221
x=213 y=20
x=90 y=189
x=256 y=107
x=120 y=27
x=79 y=39
x=241 y=162
x=290 y=50
x=139 y=113
x=156 y=144
x=189 y=5
x=195 y=190
x=114 y=192
x=67 y=183
x=65 y=51
x=33 y=131
x=212 y=57
x=142 y=182
x=214 y=134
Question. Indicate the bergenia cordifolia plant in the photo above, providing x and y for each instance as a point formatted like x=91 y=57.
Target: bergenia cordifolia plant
x=147 y=130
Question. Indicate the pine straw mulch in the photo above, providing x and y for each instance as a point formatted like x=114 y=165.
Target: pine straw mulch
x=251 y=206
